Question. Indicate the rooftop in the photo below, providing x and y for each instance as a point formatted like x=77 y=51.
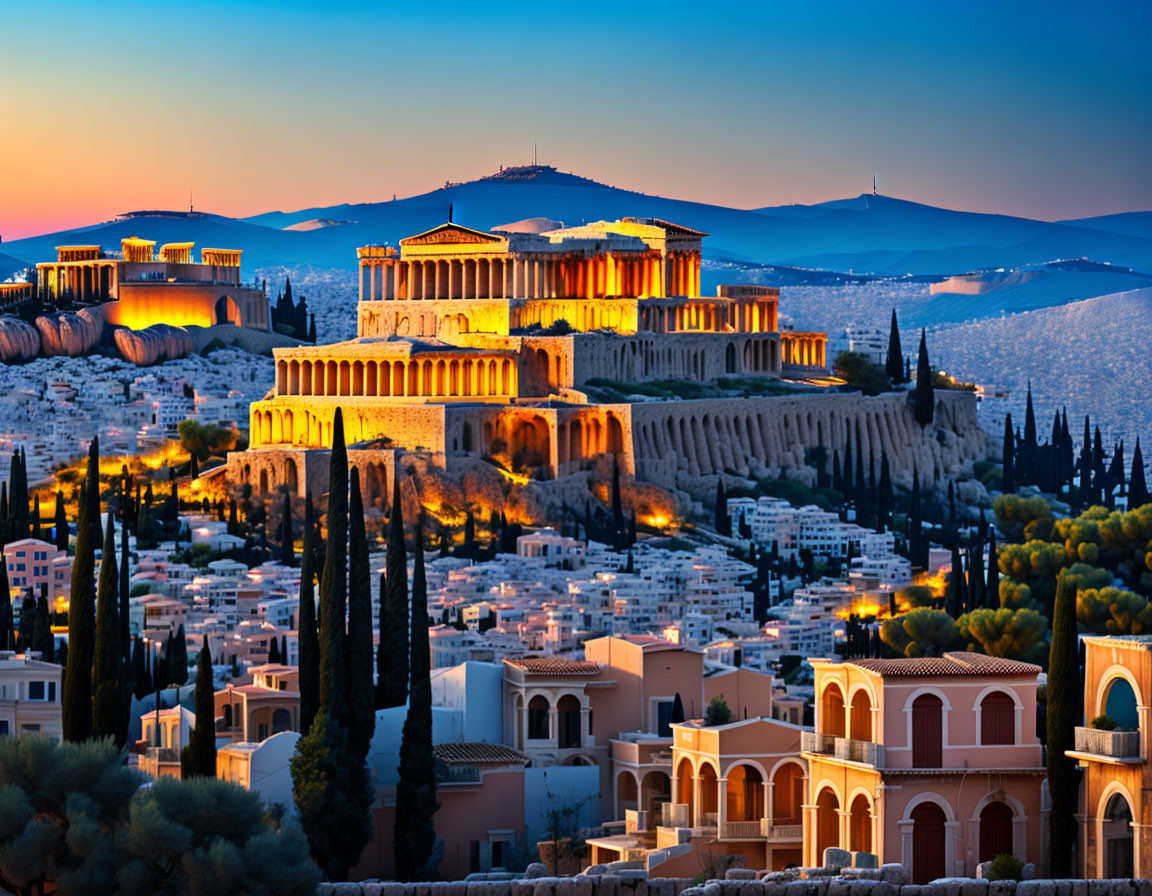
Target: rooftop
x=956 y=663
x=474 y=753
x=552 y=665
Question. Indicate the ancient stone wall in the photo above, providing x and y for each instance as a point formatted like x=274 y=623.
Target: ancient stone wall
x=660 y=356
x=682 y=445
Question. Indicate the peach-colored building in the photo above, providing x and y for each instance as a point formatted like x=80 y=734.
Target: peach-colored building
x=254 y=712
x=568 y=712
x=1115 y=818
x=931 y=762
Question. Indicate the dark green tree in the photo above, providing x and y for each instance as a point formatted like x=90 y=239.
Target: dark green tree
x=923 y=396
x=416 y=803
x=274 y=651
x=1026 y=468
x=287 y=552
x=1062 y=716
x=1137 y=484
x=77 y=692
x=42 y=639
x=198 y=759
x=1009 y=454
x=358 y=651
x=60 y=524
x=309 y=639
x=894 y=362
x=106 y=669
x=27 y=621
x=178 y=659
x=7 y=632
x=723 y=521
x=392 y=659
x=885 y=499
x=333 y=580
x=992 y=590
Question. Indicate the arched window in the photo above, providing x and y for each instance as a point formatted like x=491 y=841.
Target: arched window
x=537 y=718
x=927 y=732
x=997 y=719
x=832 y=717
x=827 y=823
x=568 y=717
x=1120 y=704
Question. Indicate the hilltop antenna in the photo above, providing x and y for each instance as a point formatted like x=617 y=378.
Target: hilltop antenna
x=533 y=153
x=190 y=200
x=873 y=181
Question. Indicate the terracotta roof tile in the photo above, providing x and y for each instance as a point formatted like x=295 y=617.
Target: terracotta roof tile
x=554 y=665
x=950 y=664
x=477 y=754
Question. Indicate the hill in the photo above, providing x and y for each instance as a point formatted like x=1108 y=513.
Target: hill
x=874 y=235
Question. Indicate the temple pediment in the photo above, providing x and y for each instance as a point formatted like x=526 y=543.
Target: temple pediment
x=451 y=234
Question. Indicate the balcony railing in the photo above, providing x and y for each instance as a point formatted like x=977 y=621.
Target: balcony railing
x=815 y=742
x=675 y=815
x=780 y=833
x=1113 y=744
x=741 y=830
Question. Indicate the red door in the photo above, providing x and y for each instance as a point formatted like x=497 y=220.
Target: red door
x=995 y=831
x=927 y=843
x=927 y=727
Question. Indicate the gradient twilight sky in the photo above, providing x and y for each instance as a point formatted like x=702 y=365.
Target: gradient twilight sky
x=1041 y=109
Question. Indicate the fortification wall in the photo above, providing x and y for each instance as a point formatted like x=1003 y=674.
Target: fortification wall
x=682 y=445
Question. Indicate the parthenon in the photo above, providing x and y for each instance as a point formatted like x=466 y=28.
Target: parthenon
x=473 y=344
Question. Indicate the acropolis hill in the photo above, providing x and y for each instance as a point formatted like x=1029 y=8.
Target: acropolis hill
x=473 y=344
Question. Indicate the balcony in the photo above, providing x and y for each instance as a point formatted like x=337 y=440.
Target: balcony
x=843 y=748
x=774 y=832
x=675 y=815
x=741 y=830
x=1119 y=747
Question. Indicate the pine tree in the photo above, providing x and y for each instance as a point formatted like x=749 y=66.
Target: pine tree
x=333 y=582
x=61 y=524
x=923 y=396
x=309 y=640
x=1062 y=712
x=77 y=692
x=360 y=662
x=392 y=659
x=106 y=667
x=287 y=552
x=1009 y=484
x=894 y=363
x=198 y=759
x=992 y=589
x=416 y=803
x=1137 y=484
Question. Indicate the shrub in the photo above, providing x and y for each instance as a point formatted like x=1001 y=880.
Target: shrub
x=1005 y=867
x=718 y=712
x=1103 y=723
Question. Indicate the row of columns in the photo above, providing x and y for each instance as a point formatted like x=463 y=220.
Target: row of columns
x=528 y=276
x=423 y=378
x=710 y=317
x=805 y=351
x=85 y=282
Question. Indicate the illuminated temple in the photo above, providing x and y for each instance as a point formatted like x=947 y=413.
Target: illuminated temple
x=473 y=344
x=140 y=286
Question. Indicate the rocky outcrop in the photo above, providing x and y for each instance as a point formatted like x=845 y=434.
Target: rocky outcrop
x=70 y=334
x=19 y=340
x=159 y=342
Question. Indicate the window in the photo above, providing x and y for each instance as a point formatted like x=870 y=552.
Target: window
x=997 y=719
x=664 y=718
x=538 y=718
x=36 y=690
x=927 y=732
x=3 y=727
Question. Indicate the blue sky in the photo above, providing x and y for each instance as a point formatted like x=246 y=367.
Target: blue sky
x=1039 y=109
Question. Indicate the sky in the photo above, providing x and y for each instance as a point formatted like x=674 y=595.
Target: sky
x=1027 y=108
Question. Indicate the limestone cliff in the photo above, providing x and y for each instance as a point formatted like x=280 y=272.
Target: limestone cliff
x=70 y=334
x=19 y=340
x=159 y=342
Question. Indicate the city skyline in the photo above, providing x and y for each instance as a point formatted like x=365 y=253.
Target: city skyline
x=258 y=107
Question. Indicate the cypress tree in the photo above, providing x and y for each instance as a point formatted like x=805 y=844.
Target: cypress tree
x=42 y=639
x=873 y=494
x=976 y=578
x=274 y=650
x=333 y=582
x=361 y=692
x=287 y=552
x=1009 y=485
x=723 y=522
x=178 y=659
x=7 y=635
x=27 y=621
x=894 y=363
x=916 y=545
x=124 y=581
x=414 y=838
x=1062 y=712
x=309 y=640
x=861 y=486
x=837 y=478
x=923 y=396
x=1027 y=472
x=618 y=506
x=992 y=589
x=1137 y=485
x=106 y=665
x=143 y=675
x=61 y=524
x=198 y=759
x=34 y=526
x=77 y=692
x=885 y=500
x=392 y=659
x=955 y=599
x=1086 y=496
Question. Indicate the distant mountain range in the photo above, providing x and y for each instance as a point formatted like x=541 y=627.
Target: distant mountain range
x=873 y=235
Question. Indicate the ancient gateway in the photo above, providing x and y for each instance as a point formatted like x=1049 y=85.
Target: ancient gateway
x=473 y=344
